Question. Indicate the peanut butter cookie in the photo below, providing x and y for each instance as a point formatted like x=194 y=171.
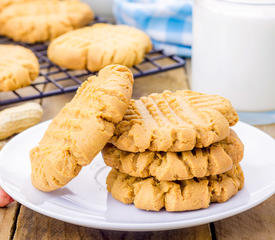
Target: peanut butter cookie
x=150 y=194
x=81 y=128
x=39 y=20
x=18 y=67
x=99 y=45
x=174 y=122
x=169 y=166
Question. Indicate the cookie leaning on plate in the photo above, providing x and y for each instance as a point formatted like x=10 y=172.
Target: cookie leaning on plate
x=39 y=20
x=174 y=122
x=150 y=194
x=81 y=128
x=169 y=166
x=99 y=45
x=18 y=67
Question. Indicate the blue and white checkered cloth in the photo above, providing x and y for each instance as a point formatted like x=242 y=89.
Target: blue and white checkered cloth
x=168 y=23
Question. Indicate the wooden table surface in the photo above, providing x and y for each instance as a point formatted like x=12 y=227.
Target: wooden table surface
x=18 y=222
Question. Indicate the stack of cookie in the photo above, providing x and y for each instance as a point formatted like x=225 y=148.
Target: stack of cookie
x=175 y=151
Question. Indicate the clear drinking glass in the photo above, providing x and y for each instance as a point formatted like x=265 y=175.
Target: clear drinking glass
x=233 y=54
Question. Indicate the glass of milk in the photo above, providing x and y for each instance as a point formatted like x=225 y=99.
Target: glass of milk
x=234 y=54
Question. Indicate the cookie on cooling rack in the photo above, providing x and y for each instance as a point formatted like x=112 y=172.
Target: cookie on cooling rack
x=81 y=128
x=18 y=67
x=99 y=45
x=150 y=194
x=39 y=20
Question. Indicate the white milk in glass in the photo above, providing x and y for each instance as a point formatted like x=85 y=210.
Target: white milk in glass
x=234 y=51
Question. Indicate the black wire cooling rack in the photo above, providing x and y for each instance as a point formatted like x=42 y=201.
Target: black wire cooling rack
x=54 y=80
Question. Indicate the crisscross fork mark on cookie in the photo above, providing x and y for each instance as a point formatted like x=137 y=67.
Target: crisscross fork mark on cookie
x=169 y=166
x=174 y=122
x=82 y=128
x=150 y=194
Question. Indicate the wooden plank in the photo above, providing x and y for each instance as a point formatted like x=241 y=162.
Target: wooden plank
x=8 y=220
x=188 y=68
x=171 y=80
x=52 y=105
x=257 y=223
x=31 y=225
x=8 y=214
x=269 y=129
x=2 y=143
x=34 y=226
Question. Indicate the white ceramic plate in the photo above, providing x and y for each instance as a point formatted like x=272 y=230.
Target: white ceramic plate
x=85 y=201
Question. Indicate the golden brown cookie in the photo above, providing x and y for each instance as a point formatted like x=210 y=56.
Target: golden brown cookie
x=39 y=20
x=18 y=67
x=150 y=194
x=5 y=3
x=169 y=166
x=99 y=45
x=81 y=128
x=174 y=122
